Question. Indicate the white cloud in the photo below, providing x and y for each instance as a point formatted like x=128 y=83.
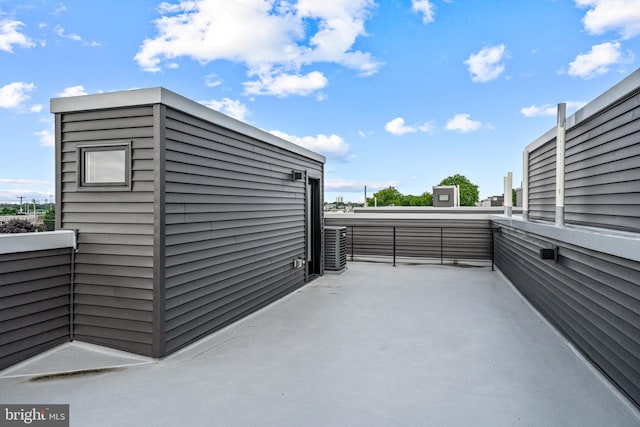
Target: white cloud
x=486 y=65
x=166 y=7
x=72 y=91
x=212 y=80
x=15 y=94
x=230 y=107
x=287 y=84
x=356 y=186
x=60 y=31
x=598 y=60
x=10 y=36
x=548 y=109
x=339 y=24
x=463 y=123
x=36 y=108
x=61 y=9
x=426 y=8
x=47 y=139
x=427 y=127
x=11 y=189
x=397 y=127
x=332 y=146
x=622 y=16
x=22 y=181
x=273 y=39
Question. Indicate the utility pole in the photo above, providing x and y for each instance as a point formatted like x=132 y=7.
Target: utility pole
x=365 y=196
x=20 y=203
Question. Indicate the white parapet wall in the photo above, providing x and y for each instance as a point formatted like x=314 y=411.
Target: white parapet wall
x=28 y=242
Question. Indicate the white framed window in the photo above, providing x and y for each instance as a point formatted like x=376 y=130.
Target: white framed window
x=443 y=197
x=104 y=167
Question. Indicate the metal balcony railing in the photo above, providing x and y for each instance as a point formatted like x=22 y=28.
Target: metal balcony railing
x=421 y=242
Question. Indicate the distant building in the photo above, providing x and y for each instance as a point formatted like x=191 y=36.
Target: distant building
x=497 y=200
x=339 y=200
x=446 y=196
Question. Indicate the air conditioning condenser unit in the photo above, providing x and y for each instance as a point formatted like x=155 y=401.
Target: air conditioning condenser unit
x=335 y=248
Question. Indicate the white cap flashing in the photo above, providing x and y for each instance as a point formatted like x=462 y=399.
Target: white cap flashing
x=28 y=242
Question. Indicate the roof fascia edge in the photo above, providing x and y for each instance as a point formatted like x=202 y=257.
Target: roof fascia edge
x=160 y=95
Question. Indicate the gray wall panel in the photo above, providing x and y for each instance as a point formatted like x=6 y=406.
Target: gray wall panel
x=603 y=168
x=114 y=263
x=234 y=223
x=591 y=297
x=542 y=182
x=34 y=302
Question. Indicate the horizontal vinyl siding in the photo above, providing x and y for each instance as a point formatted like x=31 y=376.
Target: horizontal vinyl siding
x=591 y=297
x=542 y=182
x=602 y=172
x=113 y=294
x=418 y=238
x=34 y=302
x=234 y=223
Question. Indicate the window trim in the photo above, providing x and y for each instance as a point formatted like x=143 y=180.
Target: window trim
x=82 y=185
x=444 y=197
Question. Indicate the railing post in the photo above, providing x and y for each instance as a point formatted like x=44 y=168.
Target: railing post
x=508 y=195
x=492 y=249
x=560 y=147
x=441 y=247
x=525 y=185
x=353 y=238
x=394 y=245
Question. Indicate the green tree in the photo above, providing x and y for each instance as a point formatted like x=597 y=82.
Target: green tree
x=389 y=196
x=425 y=199
x=8 y=211
x=468 y=191
x=49 y=220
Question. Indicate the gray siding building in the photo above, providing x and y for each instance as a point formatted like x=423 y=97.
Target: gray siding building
x=446 y=196
x=187 y=219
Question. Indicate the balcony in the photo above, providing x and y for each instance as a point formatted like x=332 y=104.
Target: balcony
x=377 y=345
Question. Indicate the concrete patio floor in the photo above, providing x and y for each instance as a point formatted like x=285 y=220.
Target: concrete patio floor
x=415 y=345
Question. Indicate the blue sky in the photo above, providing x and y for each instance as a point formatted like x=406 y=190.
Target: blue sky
x=396 y=92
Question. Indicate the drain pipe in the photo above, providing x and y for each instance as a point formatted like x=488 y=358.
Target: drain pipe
x=74 y=250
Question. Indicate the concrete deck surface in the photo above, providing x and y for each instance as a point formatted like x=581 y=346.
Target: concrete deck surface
x=415 y=345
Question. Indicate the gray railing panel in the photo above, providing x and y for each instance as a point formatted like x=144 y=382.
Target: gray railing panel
x=425 y=238
x=542 y=182
x=603 y=168
x=34 y=302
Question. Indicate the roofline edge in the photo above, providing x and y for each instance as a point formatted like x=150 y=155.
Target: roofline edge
x=161 y=95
